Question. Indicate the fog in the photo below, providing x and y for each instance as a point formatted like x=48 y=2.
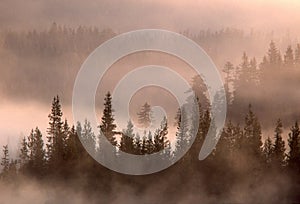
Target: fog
x=173 y=15
x=44 y=43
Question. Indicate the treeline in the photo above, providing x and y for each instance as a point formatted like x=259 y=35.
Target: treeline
x=266 y=84
x=55 y=41
x=240 y=156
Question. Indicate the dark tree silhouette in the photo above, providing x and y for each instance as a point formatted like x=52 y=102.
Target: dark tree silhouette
x=108 y=126
x=279 y=145
x=144 y=115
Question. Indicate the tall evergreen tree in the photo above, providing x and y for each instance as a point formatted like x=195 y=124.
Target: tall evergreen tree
x=88 y=137
x=36 y=153
x=294 y=152
x=279 y=146
x=297 y=55
x=23 y=155
x=56 y=140
x=160 y=136
x=268 y=150
x=289 y=57
x=5 y=162
x=182 y=137
x=252 y=134
x=274 y=56
x=108 y=126
x=127 y=139
x=228 y=70
x=145 y=115
x=74 y=148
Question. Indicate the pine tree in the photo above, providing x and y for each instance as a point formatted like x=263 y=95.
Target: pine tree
x=297 y=55
x=254 y=73
x=23 y=155
x=294 y=152
x=108 y=126
x=279 y=146
x=200 y=90
x=127 y=139
x=73 y=145
x=289 y=57
x=149 y=143
x=274 y=56
x=39 y=153
x=182 y=137
x=252 y=134
x=88 y=137
x=228 y=70
x=144 y=115
x=160 y=136
x=268 y=150
x=56 y=146
x=5 y=162
x=36 y=161
x=225 y=146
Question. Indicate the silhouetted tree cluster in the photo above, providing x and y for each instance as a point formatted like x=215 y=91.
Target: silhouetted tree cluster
x=56 y=40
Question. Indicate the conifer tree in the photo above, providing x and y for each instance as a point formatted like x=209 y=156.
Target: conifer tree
x=279 y=146
x=36 y=163
x=289 y=57
x=252 y=135
x=297 y=56
x=73 y=145
x=108 y=126
x=5 y=162
x=88 y=137
x=23 y=155
x=268 y=150
x=274 y=56
x=127 y=139
x=56 y=143
x=294 y=152
x=182 y=137
x=145 y=115
x=228 y=70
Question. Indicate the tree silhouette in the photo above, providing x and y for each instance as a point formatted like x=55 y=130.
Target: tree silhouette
x=268 y=150
x=294 y=152
x=279 y=146
x=56 y=140
x=144 y=115
x=108 y=126
x=289 y=57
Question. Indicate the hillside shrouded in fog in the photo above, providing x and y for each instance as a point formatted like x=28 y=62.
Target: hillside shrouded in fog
x=256 y=48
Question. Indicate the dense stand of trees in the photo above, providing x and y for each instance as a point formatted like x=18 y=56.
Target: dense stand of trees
x=240 y=153
x=242 y=158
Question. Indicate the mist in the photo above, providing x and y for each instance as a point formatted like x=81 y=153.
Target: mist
x=43 y=45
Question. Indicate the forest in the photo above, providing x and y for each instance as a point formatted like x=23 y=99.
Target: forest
x=248 y=165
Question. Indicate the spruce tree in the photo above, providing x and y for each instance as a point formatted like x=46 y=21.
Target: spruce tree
x=88 y=137
x=274 y=57
x=36 y=161
x=23 y=155
x=297 y=56
x=268 y=150
x=252 y=134
x=279 y=146
x=127 y=139
x=228 y=70
x=144 y=115
x=289 y=57
x=73 y=145
x=56 y=140
x=5 y=162
x=182 y=137
x=294 y=152
x=108 y=126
